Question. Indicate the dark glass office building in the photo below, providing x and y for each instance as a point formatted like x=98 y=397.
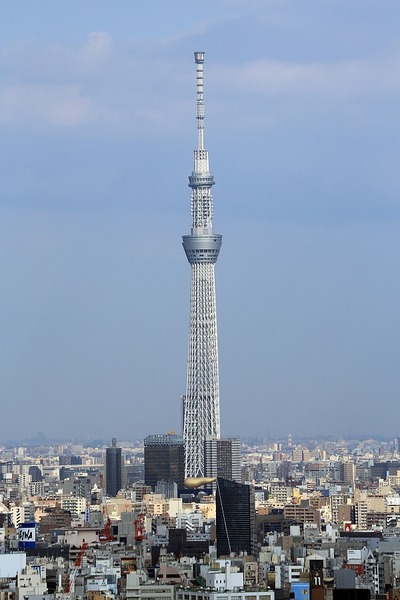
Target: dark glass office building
x=236 y=518
x=113 y=470
x=164 y=459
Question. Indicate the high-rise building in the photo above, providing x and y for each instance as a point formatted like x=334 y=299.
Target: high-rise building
x=201 y=418
x=168 y=489
x=348 y=472
x=164 y=459
x=222 y=458
x=236 y=518
x=113 y=471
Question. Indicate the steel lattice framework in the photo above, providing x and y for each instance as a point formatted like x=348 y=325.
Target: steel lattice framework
x=201 y=402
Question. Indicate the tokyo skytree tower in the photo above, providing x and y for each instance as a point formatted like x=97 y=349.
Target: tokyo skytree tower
x=201 y=417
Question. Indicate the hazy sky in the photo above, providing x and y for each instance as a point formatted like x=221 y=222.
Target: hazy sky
x=97 y=129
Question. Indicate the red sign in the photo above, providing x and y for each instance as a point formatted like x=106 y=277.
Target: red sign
x=359 y=569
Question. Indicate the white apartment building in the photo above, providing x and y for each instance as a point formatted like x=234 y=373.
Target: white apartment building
x=188 y=594
x=190 y=521
x=221 y=575
x=25 y=513
x=280 y=492
x=31 y=582
x=287 y=573
x=74 y=504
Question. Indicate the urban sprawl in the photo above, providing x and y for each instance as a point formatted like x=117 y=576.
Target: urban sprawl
x=200 y=516
x=317 y=519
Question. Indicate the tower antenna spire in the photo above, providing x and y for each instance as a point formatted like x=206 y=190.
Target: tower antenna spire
x=199 y=60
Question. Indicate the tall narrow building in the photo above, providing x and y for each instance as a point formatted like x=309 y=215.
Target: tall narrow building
x=222 y=459
x=236 y=518
x=201 y=418
x=113 y=469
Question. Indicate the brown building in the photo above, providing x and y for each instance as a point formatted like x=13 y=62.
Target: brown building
x=301 y=513
x=55 y=518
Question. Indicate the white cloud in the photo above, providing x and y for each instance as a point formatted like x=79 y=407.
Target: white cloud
x=270 y=93
x=124 y=89
x=344 y=78
x=275 y=90
x=98 y=47
x=95 y=83
x=60 y=105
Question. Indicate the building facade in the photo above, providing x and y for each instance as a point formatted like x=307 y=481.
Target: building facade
x=222 y=458
x=236 y=518
x=164 y=460
x=113 y=469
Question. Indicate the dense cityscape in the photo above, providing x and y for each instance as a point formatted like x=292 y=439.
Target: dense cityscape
x=198 y=516
x=117 y=521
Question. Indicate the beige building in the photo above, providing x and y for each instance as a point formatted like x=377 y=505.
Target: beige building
x=376 y=503
x=361 y=515
x=155 y=504
x=136 y=590
x=79 y=536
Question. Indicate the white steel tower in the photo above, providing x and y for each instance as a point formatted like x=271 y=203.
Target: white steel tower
x=201 y=419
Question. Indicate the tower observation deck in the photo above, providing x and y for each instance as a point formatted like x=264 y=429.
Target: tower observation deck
x=201 y=415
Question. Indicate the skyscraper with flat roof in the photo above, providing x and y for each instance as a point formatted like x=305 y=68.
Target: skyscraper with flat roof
x=222 y=458
x=164 y=459
x=113 y=470
x=201 y=416
x=236 y=518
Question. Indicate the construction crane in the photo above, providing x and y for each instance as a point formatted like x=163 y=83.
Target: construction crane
x=70 y=587
x=140 y=527
x=140 y=534
x=105 y=534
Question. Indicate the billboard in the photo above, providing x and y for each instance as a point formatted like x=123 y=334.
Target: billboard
x=26 y=535
x=301 y=591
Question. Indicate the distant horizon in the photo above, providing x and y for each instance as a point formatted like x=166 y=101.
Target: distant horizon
x=250 y=440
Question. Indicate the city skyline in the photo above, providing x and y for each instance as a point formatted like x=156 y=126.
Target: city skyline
x=302 y=115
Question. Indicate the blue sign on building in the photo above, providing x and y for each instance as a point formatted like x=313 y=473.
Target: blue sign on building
x=26 y=535
x=301 y=591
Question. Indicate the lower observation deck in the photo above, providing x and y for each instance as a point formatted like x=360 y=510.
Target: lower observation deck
x=202 y=248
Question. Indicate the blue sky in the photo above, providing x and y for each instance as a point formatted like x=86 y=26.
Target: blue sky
x=97 y=122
